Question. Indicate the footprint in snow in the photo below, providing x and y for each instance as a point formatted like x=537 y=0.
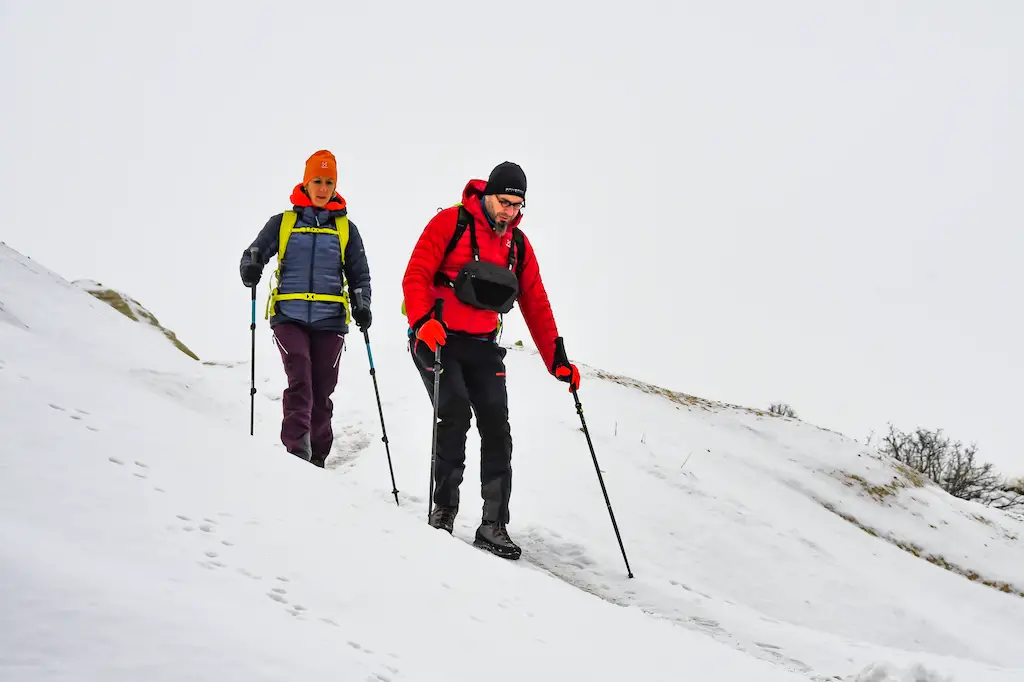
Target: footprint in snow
x=407 y=498
x=57 y=407
x=115 y=460
x=351 y=442
x=706 y=622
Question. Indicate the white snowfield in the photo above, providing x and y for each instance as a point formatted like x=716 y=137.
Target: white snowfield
x=145 y=535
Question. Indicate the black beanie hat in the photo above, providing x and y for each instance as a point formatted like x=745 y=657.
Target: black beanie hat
x=507 y=178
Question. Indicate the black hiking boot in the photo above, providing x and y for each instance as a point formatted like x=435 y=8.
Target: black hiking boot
x=305 y=450
x=492 y=536
x=444 y=518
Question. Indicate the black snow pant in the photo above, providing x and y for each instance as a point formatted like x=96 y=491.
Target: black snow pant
x=472 y=377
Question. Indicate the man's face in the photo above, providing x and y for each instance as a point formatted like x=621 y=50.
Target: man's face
x=503 y=208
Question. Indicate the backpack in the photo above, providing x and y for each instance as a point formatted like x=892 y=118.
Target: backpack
x=463 y=284
x=288 y=219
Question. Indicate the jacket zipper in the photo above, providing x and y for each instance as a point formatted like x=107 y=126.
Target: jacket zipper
x=312 y=261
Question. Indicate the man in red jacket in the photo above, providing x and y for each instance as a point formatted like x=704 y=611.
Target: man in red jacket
x=479 y=271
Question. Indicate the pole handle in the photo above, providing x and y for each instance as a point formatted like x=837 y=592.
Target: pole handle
x=438 y=309
x=560 y=358
x=254 y=257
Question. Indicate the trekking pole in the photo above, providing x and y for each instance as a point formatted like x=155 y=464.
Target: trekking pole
x=438 y=307
x=254 y=253
x=357 y=295
x=560 y=353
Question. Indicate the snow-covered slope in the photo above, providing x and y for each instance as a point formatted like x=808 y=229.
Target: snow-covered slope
x=146 y=535
x=128 y=306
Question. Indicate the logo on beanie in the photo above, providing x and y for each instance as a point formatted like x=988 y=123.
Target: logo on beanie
x=507 y=178
x=323 y=164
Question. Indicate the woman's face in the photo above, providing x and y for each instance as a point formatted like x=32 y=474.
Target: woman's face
x=320 y=191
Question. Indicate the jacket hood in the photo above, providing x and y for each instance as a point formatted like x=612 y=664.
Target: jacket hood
x=300 y=199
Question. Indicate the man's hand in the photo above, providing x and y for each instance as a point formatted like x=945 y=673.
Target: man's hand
x=569 y=374
x=562 y=368
x=433 y=334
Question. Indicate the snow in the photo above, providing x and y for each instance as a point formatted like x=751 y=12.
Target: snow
x=145 y=535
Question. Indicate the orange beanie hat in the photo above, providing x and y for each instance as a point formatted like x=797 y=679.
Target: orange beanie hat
x=321 y=165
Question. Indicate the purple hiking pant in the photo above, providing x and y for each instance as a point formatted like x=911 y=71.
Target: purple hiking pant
x=311 y=358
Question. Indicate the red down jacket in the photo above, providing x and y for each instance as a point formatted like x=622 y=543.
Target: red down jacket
x=420 y=291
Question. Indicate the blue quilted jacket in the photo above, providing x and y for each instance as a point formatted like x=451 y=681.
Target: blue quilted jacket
x=312 y=263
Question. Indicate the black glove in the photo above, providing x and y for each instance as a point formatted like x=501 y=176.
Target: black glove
x=362 y=317
x=251 y=274
x=361 y=309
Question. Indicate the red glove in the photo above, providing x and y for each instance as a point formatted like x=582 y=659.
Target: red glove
x=432 y=333
x=570 y=374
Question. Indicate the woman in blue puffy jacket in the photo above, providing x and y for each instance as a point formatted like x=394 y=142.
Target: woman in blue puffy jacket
x=309 y=309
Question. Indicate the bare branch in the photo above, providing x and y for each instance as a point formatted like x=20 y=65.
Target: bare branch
x=953 y=466
x=782 y=410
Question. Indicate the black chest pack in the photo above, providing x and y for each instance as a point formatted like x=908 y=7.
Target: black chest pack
x=480 y=284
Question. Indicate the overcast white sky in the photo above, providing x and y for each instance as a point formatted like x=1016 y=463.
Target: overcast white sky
x=811 y=202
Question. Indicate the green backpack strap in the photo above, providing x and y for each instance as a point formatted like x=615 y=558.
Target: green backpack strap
x=288 y=220
x=342 y=224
